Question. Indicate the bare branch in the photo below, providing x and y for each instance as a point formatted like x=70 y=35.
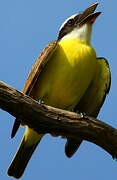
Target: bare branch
x=46 y=119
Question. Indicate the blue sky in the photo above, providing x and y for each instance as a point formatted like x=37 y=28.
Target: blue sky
x=25 y=28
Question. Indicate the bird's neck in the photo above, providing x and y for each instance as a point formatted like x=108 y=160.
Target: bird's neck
x=82 y=34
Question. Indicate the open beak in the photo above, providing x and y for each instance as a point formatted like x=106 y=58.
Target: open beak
x=89 y=16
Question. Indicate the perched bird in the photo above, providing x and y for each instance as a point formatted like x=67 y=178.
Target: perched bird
x=66 y=75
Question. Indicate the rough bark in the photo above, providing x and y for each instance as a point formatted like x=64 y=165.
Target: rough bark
x=46 y=119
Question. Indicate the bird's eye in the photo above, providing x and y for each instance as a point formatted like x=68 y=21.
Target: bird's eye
x=70 y=22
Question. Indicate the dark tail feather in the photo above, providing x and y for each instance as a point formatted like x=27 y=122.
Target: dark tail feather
x=15 y=127
x=21 y=159
x=71 y=146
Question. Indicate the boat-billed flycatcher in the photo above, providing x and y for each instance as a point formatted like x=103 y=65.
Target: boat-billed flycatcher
x=66 y=75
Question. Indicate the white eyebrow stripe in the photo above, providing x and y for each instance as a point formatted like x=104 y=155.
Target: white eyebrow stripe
x=71 y=17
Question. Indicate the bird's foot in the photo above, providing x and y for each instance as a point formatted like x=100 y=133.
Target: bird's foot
x=40 y=101
x=83 y=114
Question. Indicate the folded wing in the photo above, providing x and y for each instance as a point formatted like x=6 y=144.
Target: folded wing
x=93 y=99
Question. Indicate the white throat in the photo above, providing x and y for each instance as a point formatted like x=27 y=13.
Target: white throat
x=83 y=34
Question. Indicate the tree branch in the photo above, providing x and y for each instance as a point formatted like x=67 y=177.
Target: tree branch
x=46 y=119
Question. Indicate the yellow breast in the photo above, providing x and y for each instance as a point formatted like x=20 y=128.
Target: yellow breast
x=67 y=75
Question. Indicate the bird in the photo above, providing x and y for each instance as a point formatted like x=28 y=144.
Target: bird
x=66 y=75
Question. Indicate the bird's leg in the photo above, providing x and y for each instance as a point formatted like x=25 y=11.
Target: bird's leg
x=40 y=101
x=83 y=114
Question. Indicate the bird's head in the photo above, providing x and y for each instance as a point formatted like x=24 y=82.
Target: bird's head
x=79 y=25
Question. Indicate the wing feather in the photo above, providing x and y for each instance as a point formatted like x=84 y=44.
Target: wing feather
x=34 y=73
x=38 y=67
x=95 y=95
x=93 y=99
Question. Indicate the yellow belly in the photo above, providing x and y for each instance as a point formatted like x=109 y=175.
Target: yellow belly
x=67 y=75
